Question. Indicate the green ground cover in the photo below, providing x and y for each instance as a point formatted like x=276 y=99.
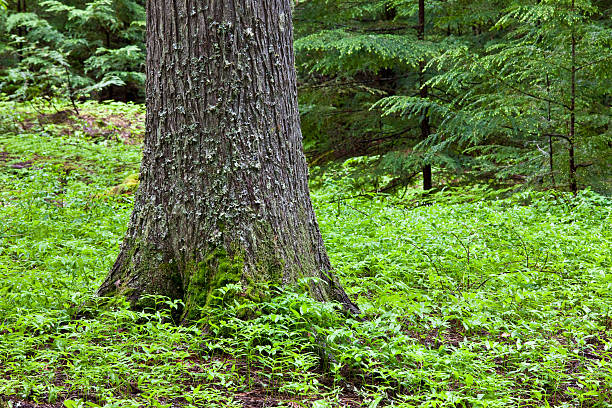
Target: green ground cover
x=469 y=299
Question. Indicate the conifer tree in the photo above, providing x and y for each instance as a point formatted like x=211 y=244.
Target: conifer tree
x=364 y=79
x=539 y=91
x=223 y=196
x=95 y=46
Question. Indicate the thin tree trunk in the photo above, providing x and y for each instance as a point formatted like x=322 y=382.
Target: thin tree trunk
x=70 y=90
x=223 y=196
x=551 y=153
x=551 y=163
x=572 y=125
x=423 y=93
x=21 y=8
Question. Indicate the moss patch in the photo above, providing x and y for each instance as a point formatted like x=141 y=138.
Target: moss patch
x=128 y=186
x=217 y=270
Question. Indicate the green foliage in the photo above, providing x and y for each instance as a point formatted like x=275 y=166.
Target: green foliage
x=492 y=79
x=470 y=297
x=75 y=50
x=499 y=85
x=512 y=102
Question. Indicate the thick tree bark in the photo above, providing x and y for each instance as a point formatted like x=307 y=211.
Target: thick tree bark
x=223 y=194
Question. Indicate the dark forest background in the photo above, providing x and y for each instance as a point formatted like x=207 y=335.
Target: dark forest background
x=509 y=93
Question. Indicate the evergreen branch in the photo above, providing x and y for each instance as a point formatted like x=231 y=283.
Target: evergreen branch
x=391 y=135
x=382 y=30
x=557 y=135
x=522 y=92
x=338 y=112
x=560 y=136
x=356 y=82
x=607 y=57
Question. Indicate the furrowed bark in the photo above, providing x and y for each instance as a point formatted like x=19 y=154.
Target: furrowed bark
x=223 y=195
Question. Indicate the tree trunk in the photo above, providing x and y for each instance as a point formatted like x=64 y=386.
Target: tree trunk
x=21 y=8
x=423 y=93
x=572 y=125
x=223 y=195
x=551 y=153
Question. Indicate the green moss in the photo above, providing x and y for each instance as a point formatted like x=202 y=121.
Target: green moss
x=197 y=282
x=254 y=293
x=128 y=186
x=220 y=268
x=217 y=270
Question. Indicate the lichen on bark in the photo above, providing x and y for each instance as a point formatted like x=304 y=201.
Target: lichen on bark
x=142 y=269
x=223 y=194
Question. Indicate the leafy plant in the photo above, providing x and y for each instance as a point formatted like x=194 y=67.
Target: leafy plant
x=470 y=296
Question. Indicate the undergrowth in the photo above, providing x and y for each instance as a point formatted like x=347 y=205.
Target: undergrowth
x=470 y=298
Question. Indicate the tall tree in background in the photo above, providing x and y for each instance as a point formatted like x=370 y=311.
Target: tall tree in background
x=535 y=102
x=363 y=86
x=423 y=93
x=223 y=196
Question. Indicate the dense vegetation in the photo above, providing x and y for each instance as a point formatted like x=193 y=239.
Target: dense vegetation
x=515 y=90
x=491 y=289
x=501 y=91
x=468 y=299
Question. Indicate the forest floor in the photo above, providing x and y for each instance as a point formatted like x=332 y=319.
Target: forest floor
x=470 y=298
